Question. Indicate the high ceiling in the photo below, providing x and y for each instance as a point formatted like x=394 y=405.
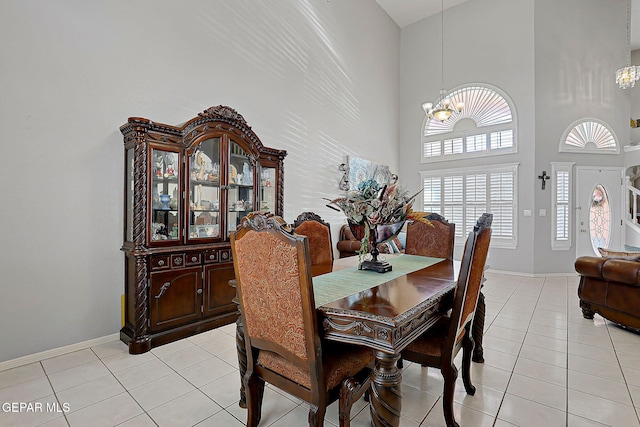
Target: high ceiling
x=405 y=12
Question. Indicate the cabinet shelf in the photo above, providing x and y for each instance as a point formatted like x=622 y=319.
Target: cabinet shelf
x=170 y=179
x=209 y=182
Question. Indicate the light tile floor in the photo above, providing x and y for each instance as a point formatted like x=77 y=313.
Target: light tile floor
x=545 y=366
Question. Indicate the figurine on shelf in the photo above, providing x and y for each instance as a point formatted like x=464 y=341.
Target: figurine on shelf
x=173 y=203
x=160 y=231
x=247 y=176
x=200 y=162
x=215 y=171
x=171 y=172
x=155 y=199
x=159 y=163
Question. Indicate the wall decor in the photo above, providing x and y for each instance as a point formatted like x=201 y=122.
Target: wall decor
x=359 y=170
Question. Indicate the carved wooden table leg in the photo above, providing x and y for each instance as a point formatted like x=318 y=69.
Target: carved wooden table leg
x=386 y=395
x=478 y=330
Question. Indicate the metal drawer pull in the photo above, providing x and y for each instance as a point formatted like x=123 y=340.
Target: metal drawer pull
x=161 y=263
x=200 y=291
x=212 y=256
x=163 y=289
x=194 y=259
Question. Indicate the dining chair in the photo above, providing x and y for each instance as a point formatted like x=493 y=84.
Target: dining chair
x=281 y=337
x=319 y=234
x=435 y=240
x=439 y=346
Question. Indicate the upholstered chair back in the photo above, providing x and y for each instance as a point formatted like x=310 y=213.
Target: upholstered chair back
x=435 y=240
x=319 y=234
x=275 y=289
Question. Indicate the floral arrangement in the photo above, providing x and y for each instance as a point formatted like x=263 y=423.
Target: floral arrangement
x=373 y=205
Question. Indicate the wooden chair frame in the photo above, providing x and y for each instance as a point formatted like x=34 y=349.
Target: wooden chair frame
x=457 y=334
x=348 y=390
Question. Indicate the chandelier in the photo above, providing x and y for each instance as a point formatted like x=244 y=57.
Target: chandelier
x=626 y=77
x=443 y=107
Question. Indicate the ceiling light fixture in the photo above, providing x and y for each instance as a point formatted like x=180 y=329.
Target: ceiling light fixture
x=443 y=107
x=626 y=77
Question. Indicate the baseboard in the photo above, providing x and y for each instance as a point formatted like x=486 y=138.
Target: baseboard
x=36 y=357
x=516 y=273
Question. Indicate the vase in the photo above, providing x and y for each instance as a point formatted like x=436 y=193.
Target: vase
x=164 y=198
x=377 y=234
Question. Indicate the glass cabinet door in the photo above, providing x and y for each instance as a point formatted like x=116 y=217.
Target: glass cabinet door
x=165 y=195
x=268 y=189
x=204 y=191
x=240 y=198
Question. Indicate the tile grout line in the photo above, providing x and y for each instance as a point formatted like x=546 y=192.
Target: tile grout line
x=495 y=420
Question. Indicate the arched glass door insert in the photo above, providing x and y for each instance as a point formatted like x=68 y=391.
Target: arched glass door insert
x=599 y=219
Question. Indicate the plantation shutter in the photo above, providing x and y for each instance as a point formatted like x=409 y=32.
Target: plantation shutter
x=463 y=195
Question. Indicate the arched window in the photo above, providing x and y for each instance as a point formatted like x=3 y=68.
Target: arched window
x=485 y=126
x=589 y=136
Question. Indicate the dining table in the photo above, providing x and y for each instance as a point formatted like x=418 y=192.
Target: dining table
x=382 y=311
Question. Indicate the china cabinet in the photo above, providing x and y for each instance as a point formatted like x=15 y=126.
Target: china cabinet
x=186 y=189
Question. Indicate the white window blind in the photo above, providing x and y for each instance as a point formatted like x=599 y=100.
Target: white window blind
x=463 y=195
x=561 y=186
x=476 y=143
x=502 y=139
x=589 y=136
x=452 y=146
x=486 y=127
x=432 y=149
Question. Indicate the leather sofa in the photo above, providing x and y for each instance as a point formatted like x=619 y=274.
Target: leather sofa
x=610 y=286
x=348 y=245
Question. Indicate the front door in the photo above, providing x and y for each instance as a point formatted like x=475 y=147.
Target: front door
x=598 y=209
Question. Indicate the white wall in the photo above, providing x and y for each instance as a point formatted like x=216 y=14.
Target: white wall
x=579 y=46
x=489 y=42
x=634 y=93
x=556 y=61
x=317 y=78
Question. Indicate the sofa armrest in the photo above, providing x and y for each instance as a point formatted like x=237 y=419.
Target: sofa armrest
x=609 y=269
x=590 y=266
x=349 y=245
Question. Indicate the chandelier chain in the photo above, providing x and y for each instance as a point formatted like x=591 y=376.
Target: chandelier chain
x=442 y=44
x=628 y=52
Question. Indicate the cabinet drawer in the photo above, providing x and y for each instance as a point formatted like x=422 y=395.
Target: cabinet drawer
x=193 y=258
x=225 y=255
x=160 y=262
x=177 y=260
x=211 y=256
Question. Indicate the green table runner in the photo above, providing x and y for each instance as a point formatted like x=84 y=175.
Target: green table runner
x=342 y=283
